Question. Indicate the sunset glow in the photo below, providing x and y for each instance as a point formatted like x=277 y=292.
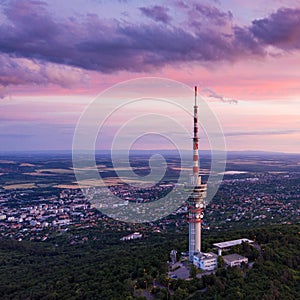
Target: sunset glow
x=57 y=56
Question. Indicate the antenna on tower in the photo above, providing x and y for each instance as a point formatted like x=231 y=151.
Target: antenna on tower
x=195 y=142
x=196 y=199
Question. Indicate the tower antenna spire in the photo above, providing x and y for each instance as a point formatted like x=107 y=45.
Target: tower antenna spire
x=196 y=199
x=195 y=142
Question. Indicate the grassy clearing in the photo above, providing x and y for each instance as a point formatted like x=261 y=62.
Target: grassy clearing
x=3 y=161
x=19 y=186
x=67 y=186
x=56 y=171
x=26 y=165
x=38 y=174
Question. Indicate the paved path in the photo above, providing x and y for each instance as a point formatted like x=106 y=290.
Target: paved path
x=182 y=272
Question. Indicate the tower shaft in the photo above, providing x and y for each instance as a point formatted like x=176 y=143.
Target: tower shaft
x=196 y=199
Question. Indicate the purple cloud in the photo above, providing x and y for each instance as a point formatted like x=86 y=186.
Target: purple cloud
x=110 y=46
x=157 y=13
x=87 y=42
x=266 y=132
x=281 y=29
x=212 y=13
x=22 y=71
x=213 y=95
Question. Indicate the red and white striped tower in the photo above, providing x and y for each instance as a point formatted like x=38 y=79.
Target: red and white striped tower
x=196 y=199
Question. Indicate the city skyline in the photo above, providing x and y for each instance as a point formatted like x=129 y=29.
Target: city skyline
x=56 y=57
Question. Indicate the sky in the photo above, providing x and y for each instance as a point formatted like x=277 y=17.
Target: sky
x=57 y=56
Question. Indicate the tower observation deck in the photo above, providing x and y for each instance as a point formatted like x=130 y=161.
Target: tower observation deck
x=195 y=201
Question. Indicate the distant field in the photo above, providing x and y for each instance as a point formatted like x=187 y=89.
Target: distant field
x=4 y=161
x=99 y=183
x=56 y=171
x=45 y=172
x=242 y=162
x=86 y=168
x=183 y=169
x=94 y=182
x=26 y=165
x=18 y=172
x=279 y=172
x=39 y=174
x=67 y=186
x=19 y=186
x=43 y=185
x=234 y=172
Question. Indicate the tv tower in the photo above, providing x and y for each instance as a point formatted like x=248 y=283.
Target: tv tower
x=196 y=199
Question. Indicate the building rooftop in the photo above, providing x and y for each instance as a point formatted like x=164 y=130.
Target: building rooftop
x=205 y=256
x=232 y=243
x=233 y=257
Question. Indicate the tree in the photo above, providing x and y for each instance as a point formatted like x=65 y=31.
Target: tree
x=193 y=271
x=180 y=294
x=221 y=262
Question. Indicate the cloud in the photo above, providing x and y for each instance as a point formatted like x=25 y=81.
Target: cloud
x=268 y=133
x=280 y=29
x=112 y=45
x=157 y=13
x=200 y=15
x=212 y=13
x=15 y=135
x=23 y=71
x=3 y=92
x=31 y=26
x=87 y=42
x=213 y=95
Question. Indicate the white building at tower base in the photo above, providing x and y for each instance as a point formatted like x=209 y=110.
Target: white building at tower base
x=206 y=261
